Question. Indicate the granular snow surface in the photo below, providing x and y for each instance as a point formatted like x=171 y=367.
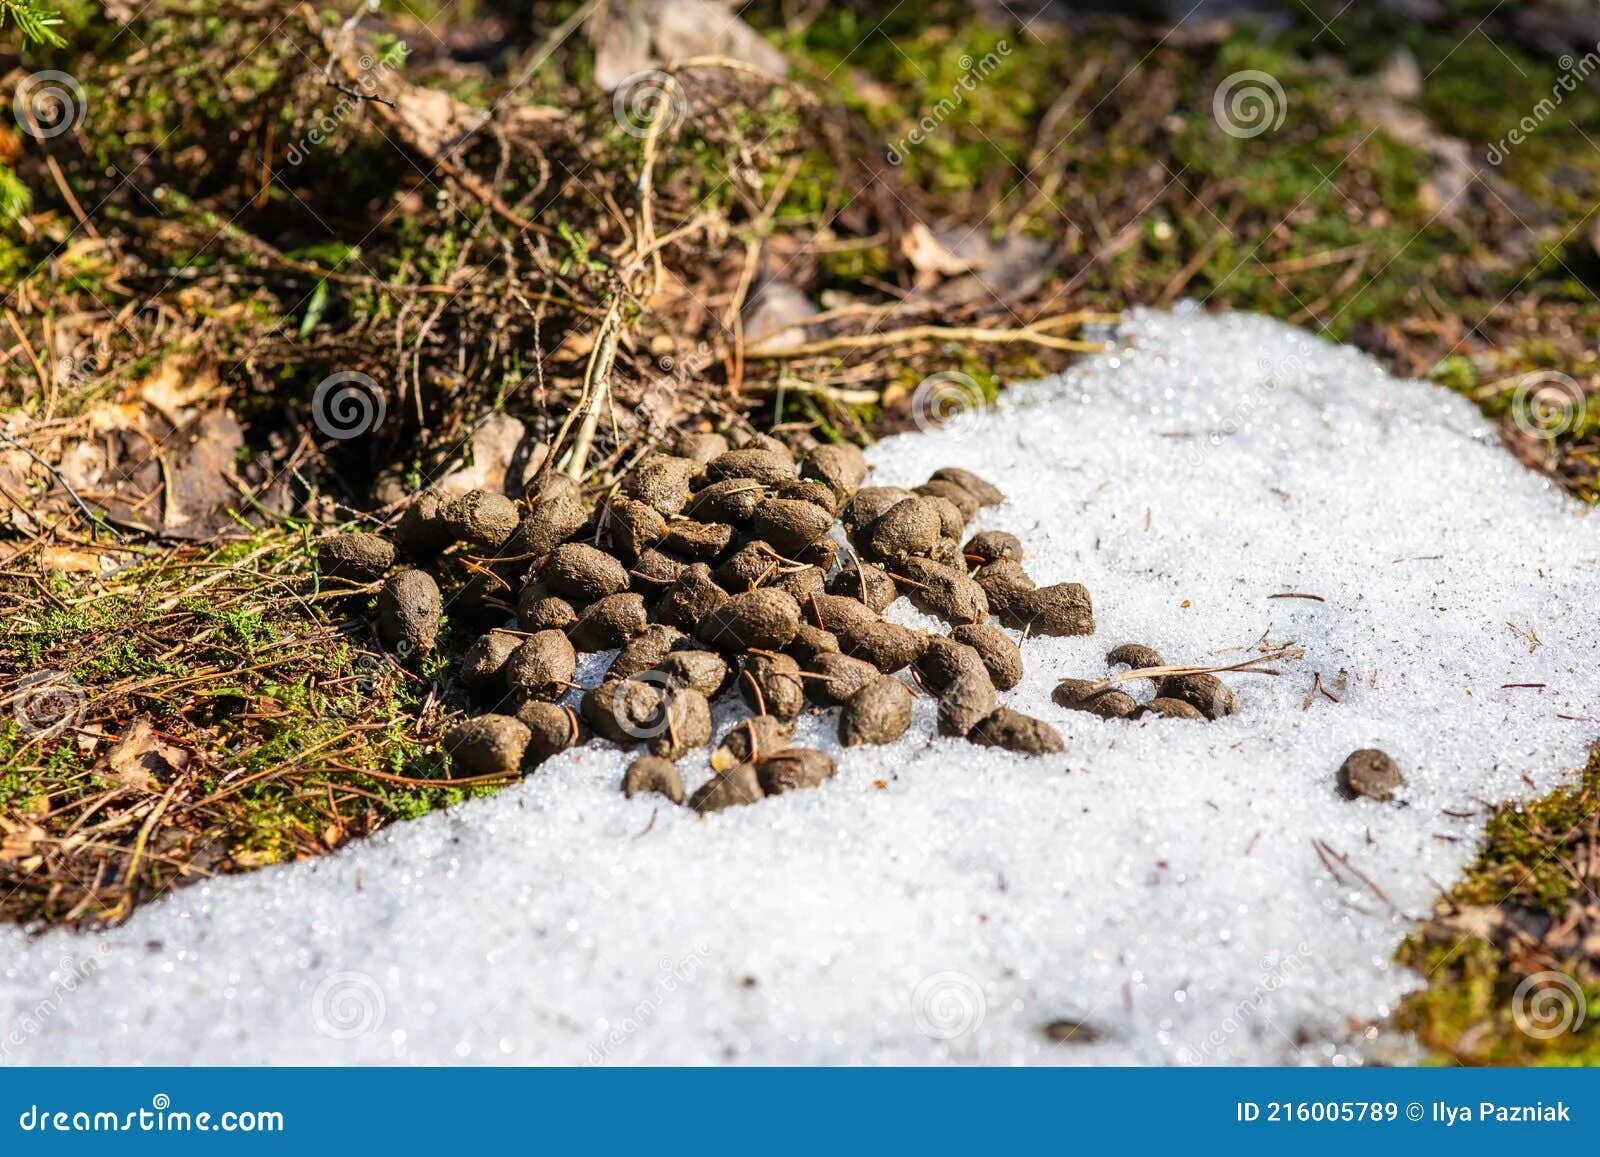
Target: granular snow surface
x=1175 y=887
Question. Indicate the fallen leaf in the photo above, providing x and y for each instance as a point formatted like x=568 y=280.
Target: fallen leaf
x=142 y=757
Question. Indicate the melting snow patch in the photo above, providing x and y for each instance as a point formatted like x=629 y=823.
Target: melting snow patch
x=1174 y=887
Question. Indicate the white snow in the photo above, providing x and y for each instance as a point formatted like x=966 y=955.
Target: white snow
x=939 y=901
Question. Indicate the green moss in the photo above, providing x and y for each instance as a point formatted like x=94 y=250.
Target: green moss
x=1470 y=1009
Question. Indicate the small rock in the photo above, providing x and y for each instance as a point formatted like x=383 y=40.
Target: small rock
x=651 y=773
x=487 y=745
x=356 y=558
x=1015 y=731
x=765 y=619
x=409 y=607
x=1000 y=655
x=1204 y=692
x=609 y=622
x=542 y=666
x=878 y=713
x=579 y=571
x=794 y=769
x=1369 y=772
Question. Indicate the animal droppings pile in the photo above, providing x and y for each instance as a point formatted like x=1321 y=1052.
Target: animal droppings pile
x=1159 y=892
x=732 y=573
